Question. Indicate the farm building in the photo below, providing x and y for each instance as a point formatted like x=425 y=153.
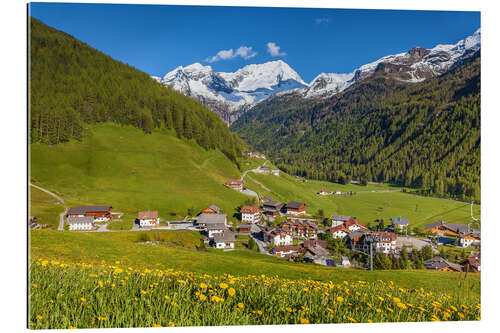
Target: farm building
x=215 y=228
x=148 y=218
x=80 y=223
x=447 y=229
x=399 y=224
x=99 y=213
x=440 y=264
x=206 y=219
x=287 y=250
x=272 y=207
x=296 y=208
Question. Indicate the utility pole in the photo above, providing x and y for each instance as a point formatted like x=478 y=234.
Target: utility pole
x=369 y=240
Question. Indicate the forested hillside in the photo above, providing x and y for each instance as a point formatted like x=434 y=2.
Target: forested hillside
x=72 y=84
x=425 y=135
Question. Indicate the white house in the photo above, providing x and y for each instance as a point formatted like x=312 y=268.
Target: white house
x=399 y=224
x=250 y=214
x=224 y=240
x=278 y=238
x=466 y=239
x=148 y=218
x=323 y=192
x=384 y=242
x=339 y=231
x=80 y=223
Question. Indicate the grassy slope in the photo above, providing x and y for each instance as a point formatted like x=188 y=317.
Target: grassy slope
x=132 y=171
x=45 y=208
x=366 y=205
x=123 y=247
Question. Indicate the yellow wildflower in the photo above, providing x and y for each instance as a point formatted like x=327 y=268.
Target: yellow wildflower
x=203 y=297
x=223 y=285
x=352 y=320
x=156 y=325
x=378 y=310
x=380 y=298
x=288 y=309
x=390 y=310
x=231 y=291
x=370 y=321
x=453 y=308
x=39 y=317
x=171 y=324
x=397 y=300
x=71 y=327
x=82 y=299
x=401 y=305
x=203 y=285
x=241 y=305
x=100 y=284
x=461 y=315
x=304 y=321
x=340 y=298
x=166 y=297
x=143 y=292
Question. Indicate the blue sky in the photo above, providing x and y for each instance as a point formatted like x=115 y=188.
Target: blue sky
x=158 y=38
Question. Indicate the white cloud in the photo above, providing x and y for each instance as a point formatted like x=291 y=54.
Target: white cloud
x=322 y=20
x=245 y=52
x=274 y=50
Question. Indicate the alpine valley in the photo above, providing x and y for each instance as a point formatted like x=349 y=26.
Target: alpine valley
x=231 y=94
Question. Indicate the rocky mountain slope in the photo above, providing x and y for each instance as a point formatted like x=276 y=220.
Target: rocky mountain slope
x=231 y=94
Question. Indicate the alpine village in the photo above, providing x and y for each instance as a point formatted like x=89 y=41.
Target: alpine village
x=315 y=193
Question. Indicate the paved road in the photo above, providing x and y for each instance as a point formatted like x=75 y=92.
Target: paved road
x=261 y=245
x=61 y=200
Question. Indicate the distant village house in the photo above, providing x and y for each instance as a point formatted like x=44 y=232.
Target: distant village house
x=235 y=184
x=250 y=214
x=148 y=218
x=99 y=213
x=212 y=209
x=80 y=223
x=296 y=208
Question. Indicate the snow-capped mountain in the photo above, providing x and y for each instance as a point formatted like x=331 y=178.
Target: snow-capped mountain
x=231 y=94
x=415 y=65
x=228 y=94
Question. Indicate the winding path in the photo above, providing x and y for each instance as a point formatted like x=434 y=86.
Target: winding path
x=58 y=198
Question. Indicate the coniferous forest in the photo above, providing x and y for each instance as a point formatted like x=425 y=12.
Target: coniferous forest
x=72 y=84
x=423 y=135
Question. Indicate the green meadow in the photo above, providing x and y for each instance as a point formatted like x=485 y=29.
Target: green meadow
x=368 y=204
x=45 y=207
x=132 y=171
x=178 y=251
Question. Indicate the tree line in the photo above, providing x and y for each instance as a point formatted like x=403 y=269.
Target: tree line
x=72 y=84
x=422 y=135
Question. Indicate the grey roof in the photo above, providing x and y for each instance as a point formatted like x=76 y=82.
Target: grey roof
x=294 y=204
x=212 y=219
x=459 y=228
x=399 y=220
x=80 y=210
x=267 y=199
x=318 y=251
x=84 y=219
x=438 y=263
x=355 y=234
x=216 y=226
x=226 y=236
x=341 y=218
x=214 y=208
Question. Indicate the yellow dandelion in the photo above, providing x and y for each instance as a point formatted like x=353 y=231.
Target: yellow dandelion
x=259 y=312
x=100 y=284
x=34 y=286
x=390 y=310
x=288 y=309
x=203 y=297
x=203 y=285
x=340 y=299
x=171 y=324
x=370 y=321
x=396 y=300
x=241 y=305
x=231 y=291
x=223 y=285
x=82 y=299
x=461 y=315
x=378 y=310
x=380 y=298
x=143 y=292
x=101 y=318
x=71 y=327
x=304 y=321
x=453 y=308
x=156 y=325
x=329 y=310
x=401 y=305
x=175 y=304
x=166 y=297
x=39 y=317
x=352 y=320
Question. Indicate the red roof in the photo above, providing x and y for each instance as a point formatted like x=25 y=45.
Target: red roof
x=383 y=235
x=249 y=209
x=339 y=228
x=234 y=182
x=349 y=223
x=148 y=215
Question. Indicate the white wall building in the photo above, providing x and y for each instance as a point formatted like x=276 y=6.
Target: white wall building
x=80 y=223
x=148 y=218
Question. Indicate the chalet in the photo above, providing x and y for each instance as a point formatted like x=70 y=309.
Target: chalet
x=296 y=208
x=300 y=229
x=399 y=224
x=80 y=222
x=224 y=240
x=275 y=172
x=472 y=264
x=99 y=213
x=287 y=250
x=273 y=208
x=278 y=237
x=440 y=264
x=340 y=219
x=205 y=219
x=148 y=218
x=250 y=214
x=354 y=225
x=384 y=241
x=339 y=231
x=215 y=228
x=447 y=229
x=471 y=237
x=323 y=192
x=355 y=241
x=315 y=251
x=235 y=184
x=212 y=209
